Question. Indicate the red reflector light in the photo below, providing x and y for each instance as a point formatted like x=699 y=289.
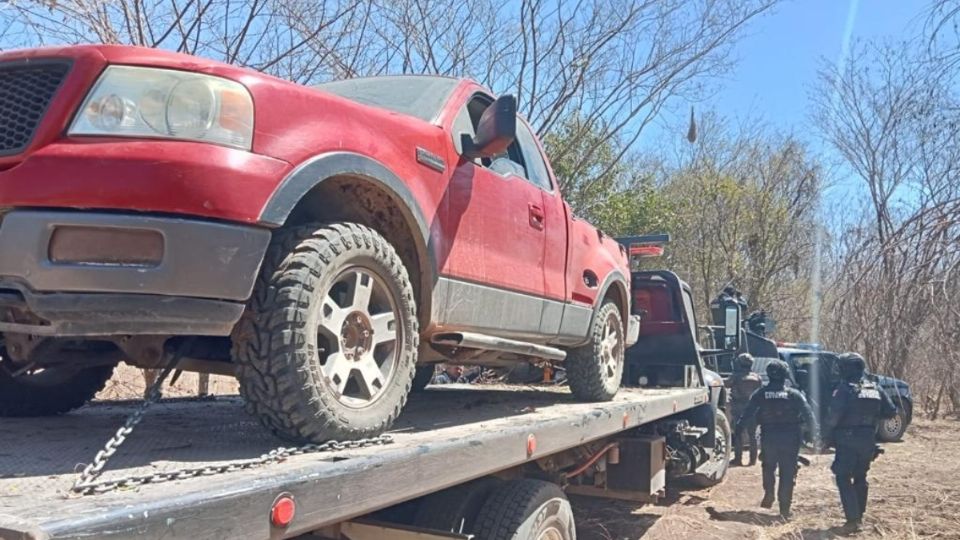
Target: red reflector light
x=283 y=511
x=531 y=444
x=646 y=251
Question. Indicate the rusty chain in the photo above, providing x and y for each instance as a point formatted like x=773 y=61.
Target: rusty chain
x=87 y=482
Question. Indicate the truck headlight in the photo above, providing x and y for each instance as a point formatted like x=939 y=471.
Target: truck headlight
x=132 y=101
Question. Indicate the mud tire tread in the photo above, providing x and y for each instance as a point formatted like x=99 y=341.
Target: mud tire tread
x=279 y=381
x=18 y=400
x=584 y=368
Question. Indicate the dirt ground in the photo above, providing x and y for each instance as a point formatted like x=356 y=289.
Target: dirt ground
x=128 y=383
x=914 y=490
x=914 y=493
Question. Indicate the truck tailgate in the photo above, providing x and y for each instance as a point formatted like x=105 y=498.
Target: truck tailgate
x=446 y=436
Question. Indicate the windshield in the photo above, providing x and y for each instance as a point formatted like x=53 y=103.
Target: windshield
x=418 y=96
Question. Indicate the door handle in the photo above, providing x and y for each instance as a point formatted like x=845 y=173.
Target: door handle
x=536 y=216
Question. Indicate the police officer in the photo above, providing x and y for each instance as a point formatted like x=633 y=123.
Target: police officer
x=851 y=425
x=783 y=414
x=742 y=384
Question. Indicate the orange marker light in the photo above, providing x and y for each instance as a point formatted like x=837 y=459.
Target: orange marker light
x=283 y=511
x=531 y=445
x=235 y=111
x=646 y=251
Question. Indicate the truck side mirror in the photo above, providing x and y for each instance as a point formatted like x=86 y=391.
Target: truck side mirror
x=726 y=310
x=496 y=130
x=731 y=328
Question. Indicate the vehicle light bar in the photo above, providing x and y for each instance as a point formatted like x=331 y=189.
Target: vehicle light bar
x=649 y=245
x=794 y=345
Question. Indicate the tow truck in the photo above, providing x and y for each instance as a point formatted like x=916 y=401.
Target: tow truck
x=463 y=461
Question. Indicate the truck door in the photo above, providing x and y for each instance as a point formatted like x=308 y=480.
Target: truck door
x=493 y=239
x=553 y=219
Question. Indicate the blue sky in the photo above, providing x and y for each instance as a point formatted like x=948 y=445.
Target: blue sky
x=776 y=69
x=778 y=59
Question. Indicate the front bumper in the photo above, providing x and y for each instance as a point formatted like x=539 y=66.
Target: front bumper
x=198 y=285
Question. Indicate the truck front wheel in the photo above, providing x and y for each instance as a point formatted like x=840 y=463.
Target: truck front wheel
x=328 y=344
x=48 y=392
x=892 y=429
x=594 y=370
x=714 y=470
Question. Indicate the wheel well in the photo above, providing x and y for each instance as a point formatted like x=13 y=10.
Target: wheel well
x=617 y=294
x=361 y=200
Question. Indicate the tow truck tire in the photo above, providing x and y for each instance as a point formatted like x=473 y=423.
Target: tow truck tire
x=422 y=377
x=595 y=369
x=720 y=459
x=455 y=510
x=310 y=347
x=49 y=392
x=892 y=429
x=526 y=509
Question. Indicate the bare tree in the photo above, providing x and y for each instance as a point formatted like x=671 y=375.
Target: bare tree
x=614 y=63
x=892 y=113
x=746 y=205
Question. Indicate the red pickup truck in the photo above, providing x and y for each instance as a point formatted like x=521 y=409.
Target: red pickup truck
x=325 y=244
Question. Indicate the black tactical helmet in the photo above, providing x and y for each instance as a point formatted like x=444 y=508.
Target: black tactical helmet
x=744 y=362
x=852 y=365
x=777 y=370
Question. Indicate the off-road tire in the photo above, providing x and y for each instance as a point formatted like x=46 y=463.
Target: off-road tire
x=27 y=396
x=275 y=342
x=422 y=377
x=587 y=373
x=455 y=509
x=523 y=509
x=892 y=429
x=719 y=464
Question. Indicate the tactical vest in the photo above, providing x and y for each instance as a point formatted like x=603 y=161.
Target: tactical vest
x=863 y=407
x=778 y=407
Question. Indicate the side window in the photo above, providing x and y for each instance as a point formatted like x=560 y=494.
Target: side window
x=536 y=167
x=462 y=125
x=830 y=368
x=510 y=162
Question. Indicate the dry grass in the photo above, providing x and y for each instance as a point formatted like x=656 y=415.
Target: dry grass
x=914 y=493
x=128 y=383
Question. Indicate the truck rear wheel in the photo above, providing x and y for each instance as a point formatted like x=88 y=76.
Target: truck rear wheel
x=526 y=509
x=328 y=344
x=48 y=392
x=455 y=509
x=594 y=370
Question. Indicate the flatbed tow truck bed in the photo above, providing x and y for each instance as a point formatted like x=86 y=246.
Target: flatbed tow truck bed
x=445 y=436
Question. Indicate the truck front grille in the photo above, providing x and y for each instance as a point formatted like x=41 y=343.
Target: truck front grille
x=26 y=89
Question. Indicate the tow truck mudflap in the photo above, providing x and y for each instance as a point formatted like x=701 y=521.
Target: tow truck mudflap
x=633 y=329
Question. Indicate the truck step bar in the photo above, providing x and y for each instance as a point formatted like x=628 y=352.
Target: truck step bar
x=470 y=340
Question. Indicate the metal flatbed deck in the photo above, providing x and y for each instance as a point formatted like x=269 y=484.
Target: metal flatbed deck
x=445 y=436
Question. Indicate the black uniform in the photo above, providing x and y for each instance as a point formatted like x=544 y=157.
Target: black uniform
x=782 y=413
x=851 y=425
x=742 y=385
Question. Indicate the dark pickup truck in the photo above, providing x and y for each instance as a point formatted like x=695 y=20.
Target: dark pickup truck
x=808 y=364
